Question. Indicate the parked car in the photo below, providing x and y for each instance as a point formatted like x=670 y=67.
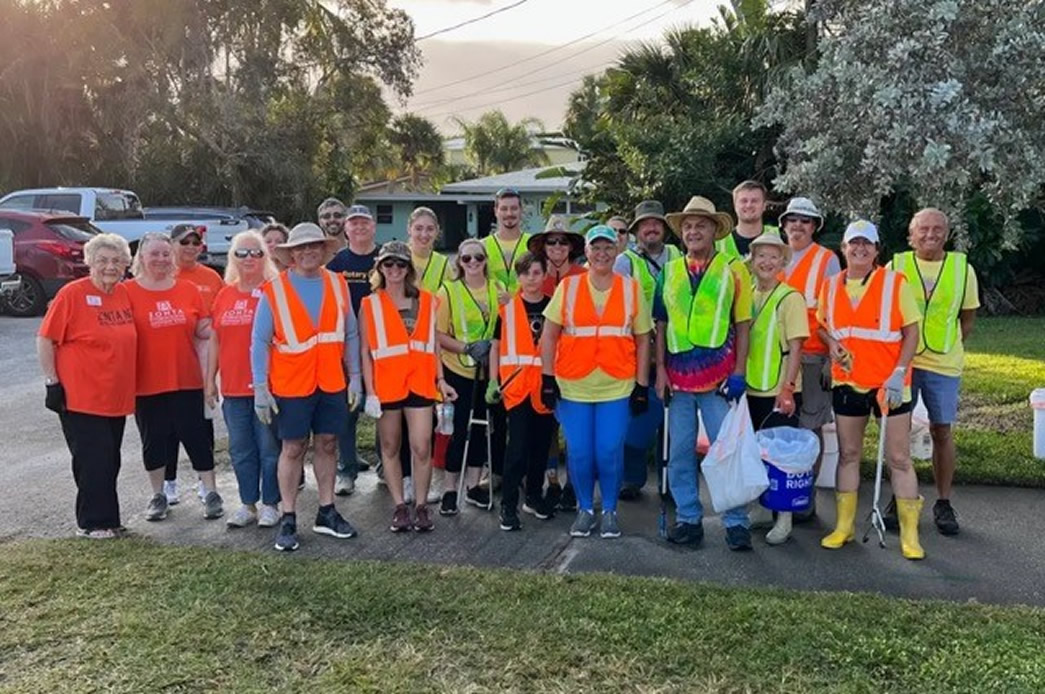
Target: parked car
x=48 y=253
x=119 y=212
x=230 y=221
x=9 y=280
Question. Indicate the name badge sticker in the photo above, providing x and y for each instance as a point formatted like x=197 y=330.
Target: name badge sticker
x=256 y=293
x=94 y=300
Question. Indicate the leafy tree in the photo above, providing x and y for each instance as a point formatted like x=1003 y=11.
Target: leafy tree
x=418 y=146
x=494 y=146
x=939 y=100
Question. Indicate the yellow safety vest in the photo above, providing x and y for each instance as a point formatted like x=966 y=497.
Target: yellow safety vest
x=941 y=307
x=466 y=317
x=765 y=358
x=501 y=267
x=701 y=317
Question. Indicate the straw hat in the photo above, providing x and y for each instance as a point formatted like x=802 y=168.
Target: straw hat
x=303 y=234
x=802 y=207
x=699 y=206
x=557 y=224
x=770 y=238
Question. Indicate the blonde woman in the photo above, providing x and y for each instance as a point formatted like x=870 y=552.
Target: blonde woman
x=432 y=267
x=252 y=445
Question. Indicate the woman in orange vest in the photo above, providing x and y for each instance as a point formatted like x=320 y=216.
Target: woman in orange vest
x=595 y=368
x=515 y=365
x=869 y=320
x=402 y=373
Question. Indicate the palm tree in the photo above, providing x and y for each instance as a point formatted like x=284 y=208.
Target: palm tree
x=494 y=146
x=418 y=146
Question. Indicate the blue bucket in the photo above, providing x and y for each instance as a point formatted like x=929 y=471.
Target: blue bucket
x=787 y=491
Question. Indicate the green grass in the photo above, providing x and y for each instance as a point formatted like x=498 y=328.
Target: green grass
x=133 y=616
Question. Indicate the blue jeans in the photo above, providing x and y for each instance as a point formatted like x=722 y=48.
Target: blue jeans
x=347 y=460
x=642 y=433
x=594 y=434
x=254 y=451
x=682 y=463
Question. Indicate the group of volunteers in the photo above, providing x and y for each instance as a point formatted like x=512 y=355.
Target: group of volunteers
x=626 y=336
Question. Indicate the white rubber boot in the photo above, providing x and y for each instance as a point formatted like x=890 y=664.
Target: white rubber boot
x=781 y=529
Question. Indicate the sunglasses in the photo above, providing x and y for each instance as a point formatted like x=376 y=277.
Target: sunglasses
x=401 y=264
x=190 y=242
x=249 y=252
x=332 y=215
x=469 y=258
x=557 y=242
x=801 y=219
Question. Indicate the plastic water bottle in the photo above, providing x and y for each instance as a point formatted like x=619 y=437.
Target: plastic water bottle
x=445 y=416
x=1037 y=401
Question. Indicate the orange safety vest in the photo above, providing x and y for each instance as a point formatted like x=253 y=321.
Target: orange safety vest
x=870 y=331
x=306 y=357
x=807 y=276
x=520 y=359
x=590 y=340
x=403 y=364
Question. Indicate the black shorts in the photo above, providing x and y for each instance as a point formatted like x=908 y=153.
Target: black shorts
x=763 y=416
x=847 y=402
x=166 y=419
x=411 y=400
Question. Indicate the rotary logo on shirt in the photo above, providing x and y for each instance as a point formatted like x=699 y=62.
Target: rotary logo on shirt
x=240 y=313
x=166 y=315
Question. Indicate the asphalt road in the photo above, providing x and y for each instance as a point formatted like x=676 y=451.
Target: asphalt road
x=998 y=558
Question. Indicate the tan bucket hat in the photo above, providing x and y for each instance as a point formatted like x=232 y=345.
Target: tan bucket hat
x=699 y=206
x=770 y=238
x=557 y=224
x=303 y=234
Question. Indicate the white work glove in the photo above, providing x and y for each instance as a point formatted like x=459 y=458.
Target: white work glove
x=355 y=393
x=264 y=404
x=372 y=407
x=894 y=388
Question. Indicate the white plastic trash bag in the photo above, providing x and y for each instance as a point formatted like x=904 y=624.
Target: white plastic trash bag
x=733 y=468
x=792 y=450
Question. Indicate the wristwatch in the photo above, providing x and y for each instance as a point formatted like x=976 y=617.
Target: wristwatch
x=50 y=381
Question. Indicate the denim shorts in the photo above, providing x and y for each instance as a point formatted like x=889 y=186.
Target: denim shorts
x=938 y=392
x=319 y=413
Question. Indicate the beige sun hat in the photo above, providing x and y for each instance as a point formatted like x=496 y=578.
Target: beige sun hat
x=770 y=238
x=557 y=224
x=303 y=234
x=699 y=206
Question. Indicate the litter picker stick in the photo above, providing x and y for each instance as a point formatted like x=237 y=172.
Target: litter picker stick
x=473 y=418
x=875 y=519
x=662 y=520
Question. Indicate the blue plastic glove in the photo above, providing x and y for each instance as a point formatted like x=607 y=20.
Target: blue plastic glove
x=733 y=387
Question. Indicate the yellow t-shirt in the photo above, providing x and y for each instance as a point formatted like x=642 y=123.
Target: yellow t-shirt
x=909 y=314
x=598 y=386
x=949 y=364
x=792 y=324
x=442 y=324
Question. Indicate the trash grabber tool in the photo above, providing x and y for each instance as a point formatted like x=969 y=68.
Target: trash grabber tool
x=474 y=418
x=875 y=519
x=662 y=519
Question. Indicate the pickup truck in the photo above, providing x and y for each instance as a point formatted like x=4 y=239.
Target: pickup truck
x=9 y=281
x=120 y=212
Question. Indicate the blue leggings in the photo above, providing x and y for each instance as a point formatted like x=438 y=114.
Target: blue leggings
x=594 y=434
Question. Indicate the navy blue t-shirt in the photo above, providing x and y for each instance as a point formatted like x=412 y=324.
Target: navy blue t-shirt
x=356 y=270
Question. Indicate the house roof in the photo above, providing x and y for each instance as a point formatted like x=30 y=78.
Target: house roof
x=524 y=181
x=363 y=196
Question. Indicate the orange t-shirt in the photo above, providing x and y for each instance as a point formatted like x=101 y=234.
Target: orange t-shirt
x=233 y=321
x=208 y=281
x=166 y=321
x=95 y=347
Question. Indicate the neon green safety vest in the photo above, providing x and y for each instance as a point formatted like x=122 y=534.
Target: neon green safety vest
x=466 y=317
x=435 y=271
x=766 y=355
x=501 y=266
x=940 y=329
x=641 y=271
x=728 y=245
x=698 y=318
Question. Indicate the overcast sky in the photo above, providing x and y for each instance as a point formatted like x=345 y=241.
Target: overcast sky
x=508 y=45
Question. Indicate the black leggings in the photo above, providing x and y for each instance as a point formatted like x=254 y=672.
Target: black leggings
x=94 y=442
x=529 y=436
x=467 y=389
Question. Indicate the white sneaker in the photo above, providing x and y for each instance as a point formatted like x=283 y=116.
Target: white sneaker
x=344 y=486
x=435 y=488
x=170 y=490
x=243 y=517
x=408 y=490
x=201 y=492
x=268 y=517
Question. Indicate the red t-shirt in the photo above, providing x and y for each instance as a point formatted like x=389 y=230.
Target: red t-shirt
x=208 y=281
x=233 y=312
x=95 y=347
x=166 y=321
x=551 y=282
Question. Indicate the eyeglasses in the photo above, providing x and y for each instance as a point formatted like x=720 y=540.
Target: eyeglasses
x=800 y=219
x=395 y=262
x=469 y=258
x=557 y=242
x=332 y=215
x=252 y=252
x=190 y=242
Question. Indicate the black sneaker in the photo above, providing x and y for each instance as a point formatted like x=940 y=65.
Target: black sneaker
x=629 y=492
x=892 y=521
x=686 y=533
x=568 y=500
x=448 y=507
x=552 y=494
x=943 y=515
x=738 y=538
x=510 y=519
x=477 y=496
x=538 y=508
x=287 y=535
x=329 y=522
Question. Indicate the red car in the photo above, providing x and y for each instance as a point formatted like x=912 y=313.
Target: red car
x=48 y=253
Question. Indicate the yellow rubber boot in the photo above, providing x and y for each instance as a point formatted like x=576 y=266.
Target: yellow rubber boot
x=846 y=504
x=908 y=510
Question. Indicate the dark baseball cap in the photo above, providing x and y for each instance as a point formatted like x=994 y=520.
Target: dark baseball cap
x=180 y=230
x=359 y=211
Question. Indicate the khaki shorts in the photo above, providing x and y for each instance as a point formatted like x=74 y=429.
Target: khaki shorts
x=816 y=402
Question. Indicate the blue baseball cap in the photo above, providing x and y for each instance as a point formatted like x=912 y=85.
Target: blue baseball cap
x=359 y=211
x=600 y=231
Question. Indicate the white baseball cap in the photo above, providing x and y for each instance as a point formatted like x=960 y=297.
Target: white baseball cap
x=862 y=229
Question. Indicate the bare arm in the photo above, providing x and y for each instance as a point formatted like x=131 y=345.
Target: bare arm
x=794 y=360
x=495 y=358
x=743 y=341
x=642 y=353
x=364 y=354
x=967 y=317
x=45 y=354
x=210 y=374
x=909 y=345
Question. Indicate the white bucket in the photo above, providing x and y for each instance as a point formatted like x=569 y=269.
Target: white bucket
x=921 y=436
x=829 y=462
x=1037 y=401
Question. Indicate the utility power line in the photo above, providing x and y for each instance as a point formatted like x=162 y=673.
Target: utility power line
x=471 y=21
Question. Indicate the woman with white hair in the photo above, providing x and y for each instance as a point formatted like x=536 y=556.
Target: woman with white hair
x=252 y=445
x=86 y=344
x=173 y=328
